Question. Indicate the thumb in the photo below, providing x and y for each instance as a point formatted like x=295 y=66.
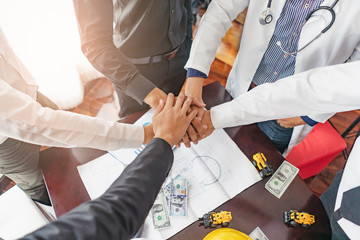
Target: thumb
x=159 y=108
x=198 y=102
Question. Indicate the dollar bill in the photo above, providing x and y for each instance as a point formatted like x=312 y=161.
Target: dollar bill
x=167 y=193
x=281 y=179
x=178 y=196
x=160 y=212
x=257 y=234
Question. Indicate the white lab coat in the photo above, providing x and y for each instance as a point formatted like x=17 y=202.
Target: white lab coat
x=311 y=92
x=339 y=44
x=22 y=118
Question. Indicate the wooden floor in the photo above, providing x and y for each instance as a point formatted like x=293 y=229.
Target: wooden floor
x=100 y=91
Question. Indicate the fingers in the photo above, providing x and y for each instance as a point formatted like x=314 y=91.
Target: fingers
x=169 y=100
x=186 y=106
x=192 y=115
x=198 y=103
x=283 y=123
x=200 y=114
x=199 y=127
x=186 y=140
x=179 y=101
x=160 y=107
x=192 y=134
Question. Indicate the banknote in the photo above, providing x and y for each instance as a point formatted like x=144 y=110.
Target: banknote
x=257 y=234
x=160 y=212
x=178 y=196
x=281 y=179
x=167 y=193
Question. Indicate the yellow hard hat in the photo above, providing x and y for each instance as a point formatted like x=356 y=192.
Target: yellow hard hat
x=226 y=234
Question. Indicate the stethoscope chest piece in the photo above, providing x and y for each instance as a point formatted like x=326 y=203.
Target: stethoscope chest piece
x=266 y=17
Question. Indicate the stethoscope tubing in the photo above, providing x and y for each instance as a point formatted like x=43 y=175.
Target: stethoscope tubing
x=333 y=17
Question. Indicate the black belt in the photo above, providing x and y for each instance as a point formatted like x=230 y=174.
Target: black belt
x=155 y=59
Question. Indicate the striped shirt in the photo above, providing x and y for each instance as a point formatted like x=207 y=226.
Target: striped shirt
x=276 y=64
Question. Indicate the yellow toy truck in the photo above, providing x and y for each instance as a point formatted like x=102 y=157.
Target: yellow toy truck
x=212 y=219
x=294 y=218
x=260 y=162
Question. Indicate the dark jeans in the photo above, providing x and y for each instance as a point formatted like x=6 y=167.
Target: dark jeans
x=278 y=135
x=168 y=75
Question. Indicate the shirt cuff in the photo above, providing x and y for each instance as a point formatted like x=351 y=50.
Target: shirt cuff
x=309 y=121
x=139 y=87
x=195 y=73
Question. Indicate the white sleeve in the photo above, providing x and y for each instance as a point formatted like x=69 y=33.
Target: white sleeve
x=318 y=91
x=355 y=56
x=24 y=119
x=216 y=21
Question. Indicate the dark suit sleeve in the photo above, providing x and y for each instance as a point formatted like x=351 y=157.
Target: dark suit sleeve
x=95 y=23
x=189 y=18
x=121 y=210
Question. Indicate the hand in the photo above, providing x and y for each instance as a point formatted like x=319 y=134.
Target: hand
x=202 y=128
x=193 y=89
x=206 y=125
x=290 y=122
x=154 y=96
x=149 y=133
x=171 y=121
x=192 y=131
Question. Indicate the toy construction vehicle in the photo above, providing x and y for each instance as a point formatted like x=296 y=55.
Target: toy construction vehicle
x=294 y=218
x=212 y=219
x=259 y=161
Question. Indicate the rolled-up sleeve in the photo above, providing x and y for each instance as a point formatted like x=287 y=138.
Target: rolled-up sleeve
x=95 y=22
x=24 y=119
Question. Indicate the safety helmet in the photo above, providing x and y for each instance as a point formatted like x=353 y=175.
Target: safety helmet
x=226 y=234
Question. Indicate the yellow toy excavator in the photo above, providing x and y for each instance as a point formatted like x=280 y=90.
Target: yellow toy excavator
x=294 y=218
x=260 y=162
x=212 y=219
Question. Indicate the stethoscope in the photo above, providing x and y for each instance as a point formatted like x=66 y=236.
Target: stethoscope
x=266 y=17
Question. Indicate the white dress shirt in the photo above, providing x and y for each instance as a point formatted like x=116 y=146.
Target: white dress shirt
x=22 y=118
x=317 y=91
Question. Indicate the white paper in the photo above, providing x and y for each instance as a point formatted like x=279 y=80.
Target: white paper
x=215 y=168
x=99 y=174
x=128 y=155
x=18 y=214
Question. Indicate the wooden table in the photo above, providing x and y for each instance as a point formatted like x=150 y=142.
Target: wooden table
x=252 y=208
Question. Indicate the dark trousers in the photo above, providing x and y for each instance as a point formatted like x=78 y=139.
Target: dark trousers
x=19 y=161
x=168 y=75
x=278 y=135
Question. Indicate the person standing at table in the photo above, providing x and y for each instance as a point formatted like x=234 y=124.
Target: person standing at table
x=25 y=125
x=316 y=91
x=121 y=210
x=280 y=39
x=340 y=200
x=140 y=45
